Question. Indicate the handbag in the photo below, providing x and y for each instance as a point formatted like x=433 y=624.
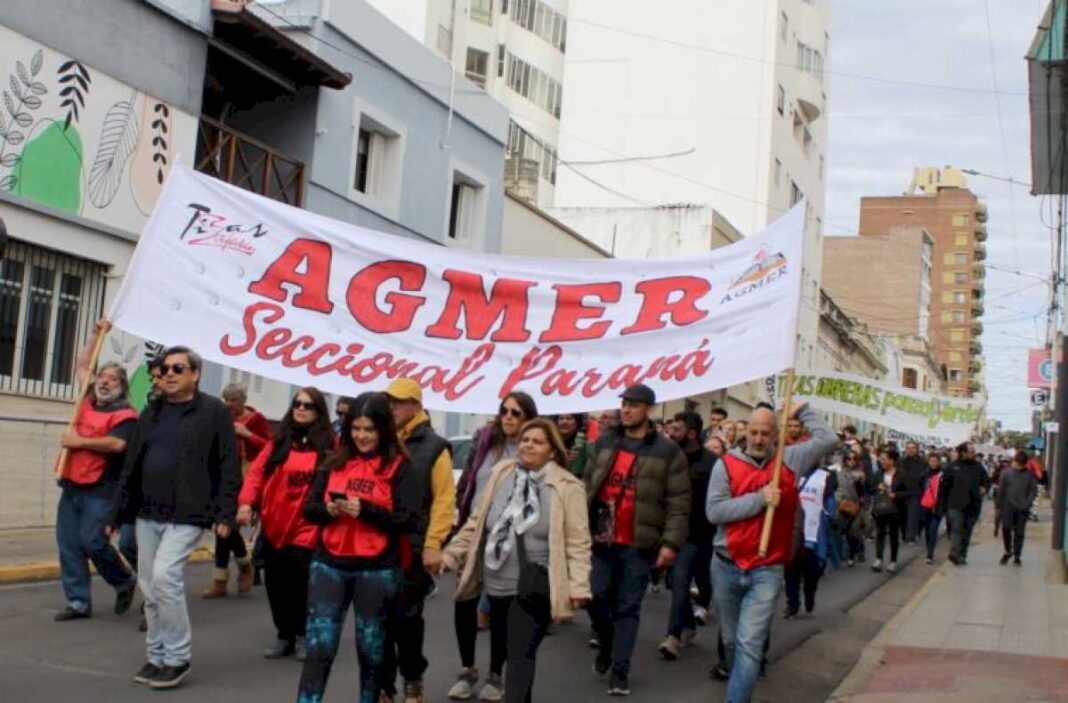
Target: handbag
x=848 y=508
x=533 y=577
x=883 y=505
x=603 y=513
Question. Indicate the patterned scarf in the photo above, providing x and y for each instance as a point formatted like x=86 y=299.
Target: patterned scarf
x=522 y=513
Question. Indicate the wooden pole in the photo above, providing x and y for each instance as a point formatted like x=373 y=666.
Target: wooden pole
x=80 y=388
x=769 y=514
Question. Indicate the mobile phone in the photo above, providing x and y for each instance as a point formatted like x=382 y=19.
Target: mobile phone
x=337 y=496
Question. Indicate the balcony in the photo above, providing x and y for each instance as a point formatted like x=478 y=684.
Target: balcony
x=977 y=328
x=981 y=212
x=977 y=307
x=980 y=252
x=980 y=233
x=976 y=366
x=974 y=387
x=978 y=287
x=976 y=347
x=240 y=160
x=980 y=271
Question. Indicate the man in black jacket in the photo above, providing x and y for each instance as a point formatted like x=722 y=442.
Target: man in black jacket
x=914 y=470
x=961 y=495
x=694 y=557
x=179 y=478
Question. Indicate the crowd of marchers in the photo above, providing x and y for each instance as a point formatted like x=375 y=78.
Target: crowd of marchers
x=550 y=516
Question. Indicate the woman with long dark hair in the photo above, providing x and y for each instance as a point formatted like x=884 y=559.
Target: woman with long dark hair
x=889 y=485
x=362 y=497
x=572 y=428
x=277 y=486
x=491 y=445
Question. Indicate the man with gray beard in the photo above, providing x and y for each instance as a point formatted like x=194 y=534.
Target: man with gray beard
x=96 y=445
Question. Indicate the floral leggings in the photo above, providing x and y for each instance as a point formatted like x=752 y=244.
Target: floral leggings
x=330 y=591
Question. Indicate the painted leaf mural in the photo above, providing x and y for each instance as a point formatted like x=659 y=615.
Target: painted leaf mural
x=50 y=168
x=152 y=159
x=118 y=139
x=19 y=103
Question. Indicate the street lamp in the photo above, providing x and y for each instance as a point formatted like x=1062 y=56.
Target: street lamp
x=973 y=172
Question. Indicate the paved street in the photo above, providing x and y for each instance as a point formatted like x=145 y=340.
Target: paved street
x=44 y=662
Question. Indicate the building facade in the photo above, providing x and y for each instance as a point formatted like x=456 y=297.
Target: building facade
x=939 y=202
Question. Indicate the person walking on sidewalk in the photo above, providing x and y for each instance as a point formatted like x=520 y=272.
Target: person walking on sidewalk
x=431 y=469
x=365 y=501
x=638 y=490
x=277 y=486
x=914 y=471
x=180 y=476
x=931 y=504
x=816 y=494
x=745 y=585
x=96 y=446
x=1016 y=493
x=696 y=553
x=962 y=498
x=528 y=542
x=890 y=486
x=853 y=499
x=253 y=433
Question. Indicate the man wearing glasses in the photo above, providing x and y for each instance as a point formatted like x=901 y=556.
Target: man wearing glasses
x=179 y=478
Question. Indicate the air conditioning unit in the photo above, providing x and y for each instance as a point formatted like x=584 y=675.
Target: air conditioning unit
x=521 y=178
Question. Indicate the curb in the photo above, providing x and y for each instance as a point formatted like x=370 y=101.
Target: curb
x=29 y=572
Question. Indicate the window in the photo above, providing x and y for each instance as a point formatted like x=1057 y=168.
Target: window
x=363 y=155
x=466 y=212
x=809 y=60
x=780 y=100
x=778 y=173
x=956 y=335
x=377 y=162
x=48 y=304
x=542 y=20
x=524 y=146
x=962 y=219
x=475 y=68
x=960 y=297
x=482 y=11
x=958 y=316
x=961 y=240
x=500 y=60
x=962 y=258
x=908 y=378
x=795 y=194
x=784 y=27
x=955 y=375
x=534 y=85
x=960 y=277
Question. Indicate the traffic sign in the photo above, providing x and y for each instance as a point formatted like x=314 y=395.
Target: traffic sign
x=1039 y=398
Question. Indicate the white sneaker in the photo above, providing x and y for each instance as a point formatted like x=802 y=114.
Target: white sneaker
x=892 y=568
x=877 y=565
x=669 y=648
x=463 y=689
x=700 y=615
x=492 y=690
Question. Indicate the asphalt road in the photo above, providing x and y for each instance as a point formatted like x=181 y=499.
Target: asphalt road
x=93 y=660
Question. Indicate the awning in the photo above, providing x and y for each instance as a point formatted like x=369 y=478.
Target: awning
x=244 y=33
x=1047 y=72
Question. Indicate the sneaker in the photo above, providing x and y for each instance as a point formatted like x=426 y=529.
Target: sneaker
x=464 y=687
x=1016 y=561
x=1005 y=559
x=877 y=565
x=669 y=648
x=593 y=642
x=929 y=561
x=300 y=649
x=618 y=686
x=700 y=615
x=492 y=690
x=279 y=648
x=413 y=691
x=892 y=568
x=147 y=673
x=70 y=613
x=851 y=563
x=170 y=676
x=687 y=637
x=719 y=672
x=124 y=599
x=601 y=665
x=789 y=614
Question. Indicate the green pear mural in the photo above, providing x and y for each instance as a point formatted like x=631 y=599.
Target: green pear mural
x=50 y=168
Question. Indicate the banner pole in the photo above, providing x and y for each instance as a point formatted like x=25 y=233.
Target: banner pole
x=80 y=388
x=769 y=514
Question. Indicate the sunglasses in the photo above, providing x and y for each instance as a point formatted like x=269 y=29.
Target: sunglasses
x=178 y=369
x=505 y=412
x=301 y=405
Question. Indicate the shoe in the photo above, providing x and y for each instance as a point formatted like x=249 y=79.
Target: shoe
x=257 y=577
x=463 y=689
x=618 y=686
x=300 y=649
x=929 y=561
x=279 y=648
x=593 y=642
x=789 y=614
x=687 y=637
x=954 y=560
x=124 y=599
x=147 y=673
x=170 y=676
x=700 y=615
x=70 y=613
x=850 y=563
x=877 y=565
x=1016 y=561
x=654 y=589
x=245 y=575
x=217 y=589
x=601 y=665
x=492 y=690
x=892 y=568
x=413 y=691
x=1005 y=559
x=669 y=648
x=719 y=672
x=483 y=621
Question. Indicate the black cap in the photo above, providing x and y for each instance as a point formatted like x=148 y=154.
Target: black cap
x=640 y=393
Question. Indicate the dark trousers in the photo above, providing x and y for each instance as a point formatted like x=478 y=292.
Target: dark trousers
x=854 y=544
x=499 y=609
x=1013 y=525
x=911 y=519
x=225 y=545
x=686 y=568
x=887 y=525
x=528 y=621
x=465 y=619
x=407 y=629
x=961 y=523
x=286 y=579
x=619 y=578
x=805 y=568
x=931 y=520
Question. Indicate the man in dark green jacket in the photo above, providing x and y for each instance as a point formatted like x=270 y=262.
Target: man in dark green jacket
x=638 y=487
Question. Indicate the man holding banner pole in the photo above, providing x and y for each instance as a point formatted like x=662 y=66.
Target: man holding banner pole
x=747 y=585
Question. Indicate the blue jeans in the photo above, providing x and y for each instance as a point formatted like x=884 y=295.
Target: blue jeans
x=931 y=521
x=618 y=580
x=128 y=544
x=679 y=578
x=80 y=521
x=164 y=548
x=745 y=601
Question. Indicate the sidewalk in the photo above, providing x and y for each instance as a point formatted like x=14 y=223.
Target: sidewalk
x=982 y=632
x=30 y=554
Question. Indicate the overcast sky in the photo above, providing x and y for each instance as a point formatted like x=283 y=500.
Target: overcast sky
x=880 y=130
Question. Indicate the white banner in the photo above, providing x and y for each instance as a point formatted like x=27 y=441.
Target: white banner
x=935 y=418
x=281 y=292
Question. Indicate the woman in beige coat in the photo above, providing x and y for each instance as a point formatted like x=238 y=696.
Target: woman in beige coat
x=527 y=545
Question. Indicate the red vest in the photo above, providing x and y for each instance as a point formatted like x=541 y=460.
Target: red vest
x=743 y=537
x=348 y=537
x=282 y=506
x=84 y=466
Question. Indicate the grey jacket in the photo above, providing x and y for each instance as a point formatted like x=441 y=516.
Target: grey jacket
x=1017 y=490
x=722 y=508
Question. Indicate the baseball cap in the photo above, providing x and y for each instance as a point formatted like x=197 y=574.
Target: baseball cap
x=640 y=393
x=405 y=389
